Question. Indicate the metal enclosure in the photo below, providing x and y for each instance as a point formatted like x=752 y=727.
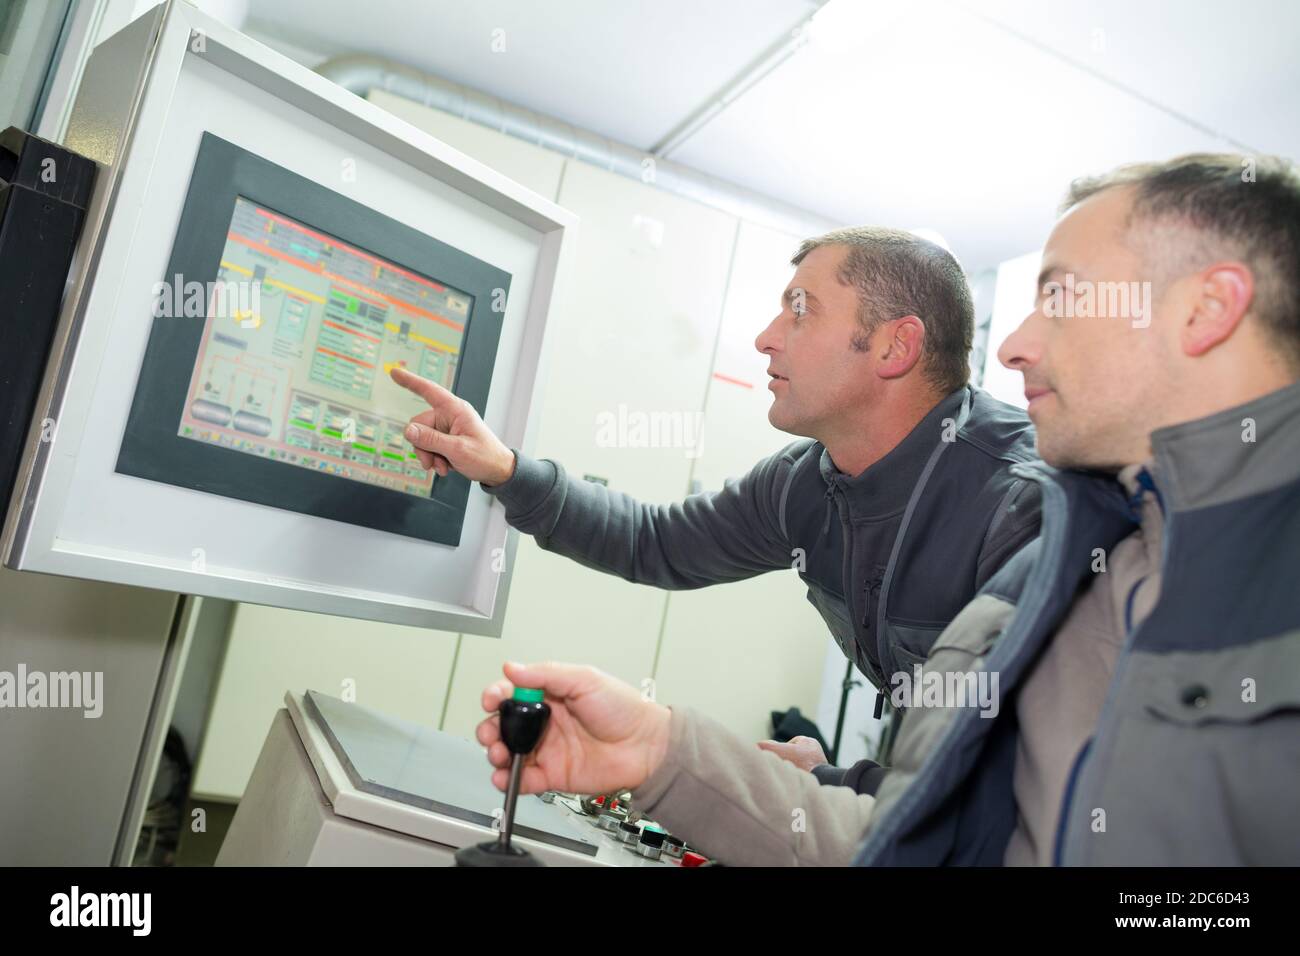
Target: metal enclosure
x=149 y=95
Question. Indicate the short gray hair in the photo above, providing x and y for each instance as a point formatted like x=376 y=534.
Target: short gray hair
x=897 y=273
x=1247 y=207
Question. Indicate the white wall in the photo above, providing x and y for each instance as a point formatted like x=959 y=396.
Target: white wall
x=740 y=651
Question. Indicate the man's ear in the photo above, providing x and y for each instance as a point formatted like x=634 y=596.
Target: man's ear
x=1226 y=291
x=904 y=340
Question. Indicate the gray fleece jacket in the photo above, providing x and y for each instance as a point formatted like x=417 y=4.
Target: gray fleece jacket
x=888 y=556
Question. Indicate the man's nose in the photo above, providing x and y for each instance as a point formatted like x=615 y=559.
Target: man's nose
x=769 y=339
x=1020 y=349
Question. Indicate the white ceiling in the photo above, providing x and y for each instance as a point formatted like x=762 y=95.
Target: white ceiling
x=630 y=69
x=969 y=118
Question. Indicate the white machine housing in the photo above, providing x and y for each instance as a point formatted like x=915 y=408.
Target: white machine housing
x=148 y=95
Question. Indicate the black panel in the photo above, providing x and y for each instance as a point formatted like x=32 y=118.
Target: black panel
x=44 y=192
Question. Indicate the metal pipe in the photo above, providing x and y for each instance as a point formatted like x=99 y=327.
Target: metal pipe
x=361 y=73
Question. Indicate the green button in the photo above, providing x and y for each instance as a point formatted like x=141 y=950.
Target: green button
x=531 y=695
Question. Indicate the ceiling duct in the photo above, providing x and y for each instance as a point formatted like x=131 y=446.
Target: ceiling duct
x=361 y=73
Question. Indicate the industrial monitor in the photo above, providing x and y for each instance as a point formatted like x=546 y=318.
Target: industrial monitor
x=282 y=310
x=262 y=248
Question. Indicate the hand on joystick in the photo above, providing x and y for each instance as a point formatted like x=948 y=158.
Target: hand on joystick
x=523 y=719
x=603 y=735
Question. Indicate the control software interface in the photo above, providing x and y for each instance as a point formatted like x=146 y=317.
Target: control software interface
x=295 y=365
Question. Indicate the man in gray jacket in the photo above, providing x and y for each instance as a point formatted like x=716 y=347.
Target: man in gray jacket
x=1147 y=644
x=894 y=511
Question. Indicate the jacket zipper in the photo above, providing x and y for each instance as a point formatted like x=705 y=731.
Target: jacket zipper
x=846 y=564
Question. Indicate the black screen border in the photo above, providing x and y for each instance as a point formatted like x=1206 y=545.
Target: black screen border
x=151 y=447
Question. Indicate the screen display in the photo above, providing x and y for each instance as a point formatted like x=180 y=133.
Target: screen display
x=301 y=332
x=282 y=310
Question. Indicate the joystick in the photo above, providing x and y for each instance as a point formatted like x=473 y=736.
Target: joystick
x=523 y=720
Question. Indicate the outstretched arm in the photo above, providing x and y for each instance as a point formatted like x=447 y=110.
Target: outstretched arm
x=708 y=538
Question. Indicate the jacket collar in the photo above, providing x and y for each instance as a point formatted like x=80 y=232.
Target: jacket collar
x=887 y=485
x=1242 y=451
x=1195 y=464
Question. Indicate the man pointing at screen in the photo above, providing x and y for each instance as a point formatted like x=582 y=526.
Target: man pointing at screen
x=895 y=507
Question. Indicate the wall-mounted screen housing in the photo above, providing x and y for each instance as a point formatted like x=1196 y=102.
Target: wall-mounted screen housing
x=217 y=417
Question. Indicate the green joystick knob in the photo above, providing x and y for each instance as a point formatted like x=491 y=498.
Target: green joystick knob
x=523 y=720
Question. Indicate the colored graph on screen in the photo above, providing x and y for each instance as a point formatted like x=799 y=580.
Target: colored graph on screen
x=300 y=334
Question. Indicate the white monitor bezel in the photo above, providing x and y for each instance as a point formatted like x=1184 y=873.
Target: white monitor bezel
x=131 y=116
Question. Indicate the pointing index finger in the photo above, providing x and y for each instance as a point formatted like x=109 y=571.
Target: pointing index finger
x=433 y=393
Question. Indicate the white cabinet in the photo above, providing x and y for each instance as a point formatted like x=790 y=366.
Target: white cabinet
x=739 y=651
x=67 y=771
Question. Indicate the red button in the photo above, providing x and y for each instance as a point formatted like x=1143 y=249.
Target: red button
x=693 y=859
